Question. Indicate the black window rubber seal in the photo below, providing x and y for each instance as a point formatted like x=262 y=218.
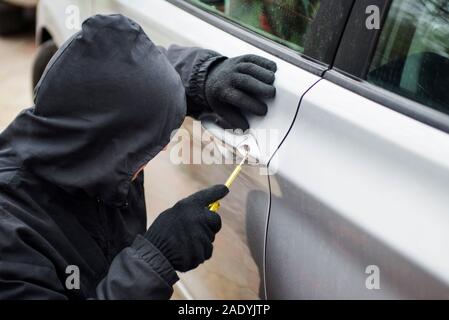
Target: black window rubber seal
x=358 y=44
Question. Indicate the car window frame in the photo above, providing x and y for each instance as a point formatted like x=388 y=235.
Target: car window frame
x=334 y=22
x=351 y=66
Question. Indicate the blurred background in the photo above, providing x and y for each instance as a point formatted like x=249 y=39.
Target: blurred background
x=17 y=50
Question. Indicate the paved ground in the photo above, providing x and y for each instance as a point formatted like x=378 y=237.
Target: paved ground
x=16 y=57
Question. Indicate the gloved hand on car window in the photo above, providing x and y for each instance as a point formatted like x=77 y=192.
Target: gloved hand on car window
x=237 y=84
x=184 y=233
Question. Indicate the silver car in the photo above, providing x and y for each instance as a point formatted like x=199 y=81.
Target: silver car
x=348 y=197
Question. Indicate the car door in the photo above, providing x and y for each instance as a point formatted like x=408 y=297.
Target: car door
x=359 y=206
x=235 y=27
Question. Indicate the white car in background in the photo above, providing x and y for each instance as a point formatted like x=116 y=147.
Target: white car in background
x=358 y=207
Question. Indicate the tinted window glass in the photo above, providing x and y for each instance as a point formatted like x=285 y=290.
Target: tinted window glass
x=412 y=56
x=284 y=21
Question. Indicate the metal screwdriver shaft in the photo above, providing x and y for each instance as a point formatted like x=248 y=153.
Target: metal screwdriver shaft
x=216 y=205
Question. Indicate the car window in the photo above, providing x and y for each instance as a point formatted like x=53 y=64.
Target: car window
x=412 y=55
x=284 y=21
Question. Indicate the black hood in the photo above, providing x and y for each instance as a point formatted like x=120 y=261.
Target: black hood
x=106 y=105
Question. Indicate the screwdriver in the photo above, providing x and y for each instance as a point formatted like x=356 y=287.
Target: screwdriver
x=216 y=205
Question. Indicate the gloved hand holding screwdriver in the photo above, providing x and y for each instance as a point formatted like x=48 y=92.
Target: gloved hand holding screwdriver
x=185 y=233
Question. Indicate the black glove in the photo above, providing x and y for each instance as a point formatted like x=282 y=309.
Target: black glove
x=185 y=232
x=240 y=83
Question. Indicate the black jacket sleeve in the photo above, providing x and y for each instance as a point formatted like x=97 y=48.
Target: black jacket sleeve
x=31 y=267
x=26 y=281
x=193 y=64
x=138 y=272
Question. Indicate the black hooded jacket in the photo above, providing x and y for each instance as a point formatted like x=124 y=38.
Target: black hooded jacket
x=106 y=104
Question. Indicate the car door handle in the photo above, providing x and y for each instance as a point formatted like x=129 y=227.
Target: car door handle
x=240 y=144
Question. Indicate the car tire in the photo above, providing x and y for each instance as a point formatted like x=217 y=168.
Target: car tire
x=45 y=51
x=11 y=19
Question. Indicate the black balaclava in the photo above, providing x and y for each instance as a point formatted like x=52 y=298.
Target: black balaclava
x=106 y=105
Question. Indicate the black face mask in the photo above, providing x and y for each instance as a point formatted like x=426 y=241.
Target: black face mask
x=106 y=105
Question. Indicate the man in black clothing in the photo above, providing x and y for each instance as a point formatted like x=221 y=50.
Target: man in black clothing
x=71 y=176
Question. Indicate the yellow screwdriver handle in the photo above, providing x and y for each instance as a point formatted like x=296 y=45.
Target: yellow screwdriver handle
x=216 y=205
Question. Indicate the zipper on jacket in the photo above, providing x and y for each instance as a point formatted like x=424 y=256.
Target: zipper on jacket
x=105 y=240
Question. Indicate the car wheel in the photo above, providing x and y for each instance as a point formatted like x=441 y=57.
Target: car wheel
x=11 y=19
x=45 y=51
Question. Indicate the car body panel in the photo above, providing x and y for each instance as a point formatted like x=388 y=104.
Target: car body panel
x=360 y=185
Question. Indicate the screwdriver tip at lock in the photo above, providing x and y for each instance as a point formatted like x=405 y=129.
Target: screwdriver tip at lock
x=216 y=205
